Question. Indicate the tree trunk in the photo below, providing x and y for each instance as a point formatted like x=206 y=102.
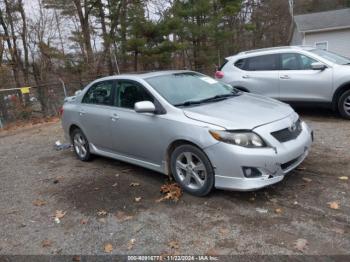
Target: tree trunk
x=24 y=42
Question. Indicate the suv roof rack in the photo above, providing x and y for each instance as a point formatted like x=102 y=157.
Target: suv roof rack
x=275 y=48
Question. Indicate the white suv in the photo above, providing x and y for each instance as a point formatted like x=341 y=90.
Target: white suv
x=292 y=74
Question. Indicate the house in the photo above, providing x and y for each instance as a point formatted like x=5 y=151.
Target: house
x=325 y=30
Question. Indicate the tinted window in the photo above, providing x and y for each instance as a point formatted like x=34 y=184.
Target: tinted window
x=129 y=92
x=240 y=63
x=293 y=61
x=290 y=62
x=99 y=94
x=261 y=63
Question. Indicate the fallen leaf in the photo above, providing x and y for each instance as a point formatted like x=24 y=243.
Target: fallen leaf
x=84 y=221
x=115 y=184
x=102 y=213
x=224 y=231
x=76 y=258
x=174 y=244
x=138 y=199
x=60 y=214
x=307 y=179
x=102 y=220
x=122 y=216
x=301 y=244
x=134 y=184
x=108 y=248
x=171 y=192
x=57 y=220
x=96 y=188
x=301 y=168
x=39 y=202
x=278 y=210
x=343 y=178
x=333 y=205
x=46 y=243
x=131 y=243
x=338 y=230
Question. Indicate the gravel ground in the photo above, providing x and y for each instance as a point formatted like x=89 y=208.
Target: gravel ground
x=292 y=217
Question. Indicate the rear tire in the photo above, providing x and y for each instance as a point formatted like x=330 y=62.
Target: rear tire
x=80 y=145
x=344 y=104
x=192 y=170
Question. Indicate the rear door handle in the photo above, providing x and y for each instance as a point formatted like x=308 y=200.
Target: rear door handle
x=114 y=117
x=81 y=112
x=285 y=77
x=246 y=76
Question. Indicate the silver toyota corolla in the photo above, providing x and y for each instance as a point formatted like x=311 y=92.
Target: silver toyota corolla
x=203 y=132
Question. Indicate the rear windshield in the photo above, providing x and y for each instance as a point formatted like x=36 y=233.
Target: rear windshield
x=222 y=66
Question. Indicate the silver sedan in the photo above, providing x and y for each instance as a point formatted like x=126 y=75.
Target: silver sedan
x=202 y=132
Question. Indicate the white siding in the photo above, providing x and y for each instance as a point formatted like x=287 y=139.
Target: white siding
x=338 y=41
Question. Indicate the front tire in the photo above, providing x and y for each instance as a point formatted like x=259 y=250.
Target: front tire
x=81 y=145
x=192 y=170
x=344 y=104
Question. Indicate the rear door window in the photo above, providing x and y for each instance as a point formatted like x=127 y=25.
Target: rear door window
x=259 y=63
x=99 y=94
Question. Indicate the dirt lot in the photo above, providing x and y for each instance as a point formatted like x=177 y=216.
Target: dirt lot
x=292 y=217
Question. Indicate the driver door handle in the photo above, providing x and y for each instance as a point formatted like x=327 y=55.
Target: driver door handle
x=246 y=76
x=81 y=112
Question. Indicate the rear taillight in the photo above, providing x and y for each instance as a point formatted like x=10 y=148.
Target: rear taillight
x=60 y=111
x=219 y=74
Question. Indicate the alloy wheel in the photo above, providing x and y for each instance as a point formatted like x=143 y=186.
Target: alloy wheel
x=80 y=145
x=346 y=105
x=191 y=170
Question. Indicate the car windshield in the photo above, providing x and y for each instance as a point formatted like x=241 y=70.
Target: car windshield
x=189 y=88
x=333 y=57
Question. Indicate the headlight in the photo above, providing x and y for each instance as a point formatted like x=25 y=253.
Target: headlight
x=246 y=139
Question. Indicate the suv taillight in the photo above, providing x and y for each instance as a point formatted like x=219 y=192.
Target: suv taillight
x=219 y=74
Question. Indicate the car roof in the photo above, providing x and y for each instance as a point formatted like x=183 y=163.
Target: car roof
x=145 y=75
x=271 y=50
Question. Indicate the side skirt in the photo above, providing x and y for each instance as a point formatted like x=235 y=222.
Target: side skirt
x=134 y=161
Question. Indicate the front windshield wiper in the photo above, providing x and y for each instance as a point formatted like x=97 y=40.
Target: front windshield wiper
x=210 y=99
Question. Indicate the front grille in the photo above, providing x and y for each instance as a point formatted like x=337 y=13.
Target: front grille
x=288 y=133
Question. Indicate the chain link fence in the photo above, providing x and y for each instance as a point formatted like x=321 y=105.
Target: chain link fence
x=27 y=103
x=45 y=100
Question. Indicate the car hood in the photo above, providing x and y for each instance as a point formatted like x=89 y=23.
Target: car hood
x=246 y=111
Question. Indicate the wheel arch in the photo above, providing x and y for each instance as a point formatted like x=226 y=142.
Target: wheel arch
x=72 y=128
x=170 y=149
x=339 y=91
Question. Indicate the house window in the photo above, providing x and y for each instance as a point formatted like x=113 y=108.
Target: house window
x=322 y=45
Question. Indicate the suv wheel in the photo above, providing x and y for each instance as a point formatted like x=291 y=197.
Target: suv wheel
x=344 y=104
x=192 y=169
x=81 y=145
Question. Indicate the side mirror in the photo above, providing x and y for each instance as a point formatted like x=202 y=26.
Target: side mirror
x=145 y=107
x=318 y=66
x=77 y=92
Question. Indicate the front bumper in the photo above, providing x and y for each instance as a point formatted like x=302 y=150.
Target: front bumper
x=273 y=162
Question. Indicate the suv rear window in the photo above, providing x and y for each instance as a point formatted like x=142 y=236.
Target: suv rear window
x=259 y=63
x=222 y=66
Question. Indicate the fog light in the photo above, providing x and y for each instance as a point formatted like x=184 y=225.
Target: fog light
x=251 y=172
